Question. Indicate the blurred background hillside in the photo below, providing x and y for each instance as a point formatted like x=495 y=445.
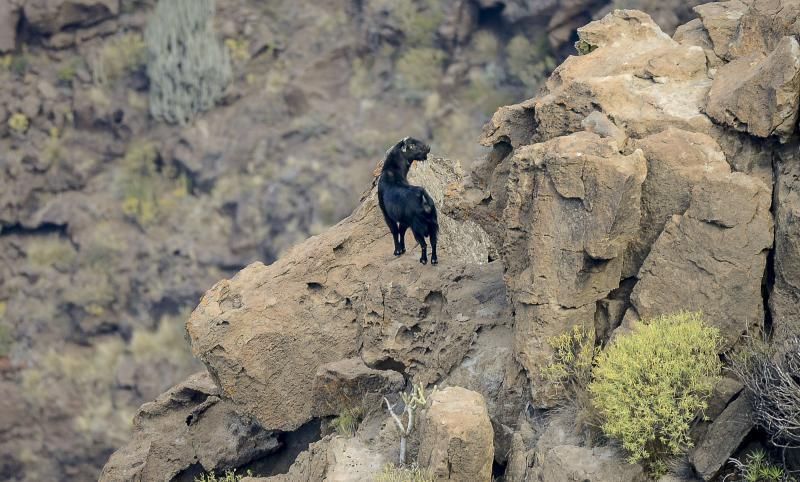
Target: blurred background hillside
x=122 y=201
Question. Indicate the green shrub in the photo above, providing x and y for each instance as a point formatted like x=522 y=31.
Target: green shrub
x=757 y=468
x=420 y=69
x=188 y=67
x=19 y=123
x=119 y=56
x=67 y=72
x=348 y=421
x=529 y=61
x=649 y=385
x=394 y=473
x=228 y=476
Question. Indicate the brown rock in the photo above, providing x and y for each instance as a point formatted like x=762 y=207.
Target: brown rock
x=265 y=333
x=456 y=436
x=344 y=384
x=712 y=258
x=721 y=21
x=723 y=438
x=9 y=18
x=568 y=463
x=52 y=16
x=759 y=95
x=573 y=207
x=185 y=426
x=676 y=161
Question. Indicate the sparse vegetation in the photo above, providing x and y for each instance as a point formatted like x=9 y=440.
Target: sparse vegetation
x=420 y=69
x=529 y=61
x=147 y=189
x=394 y=473
x=239 y=49
x=51 y=251
x=348 y=421
x=19 y=123
x=770 y=374
x=117 y=57
x=188 y=67
x=757 y=468
x=412 y=401
x=574 y=354
x=228 y=476
x=649 y=385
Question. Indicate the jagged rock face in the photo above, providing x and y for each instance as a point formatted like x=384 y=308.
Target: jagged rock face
x=344 y=384
x=573 y=207
x=784 y=300
x=456 y=436
x=661 y=222
x=264 y=333
x=180 y=432
x=759 y=94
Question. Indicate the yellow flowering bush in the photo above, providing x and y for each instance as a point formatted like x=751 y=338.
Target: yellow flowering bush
x=649 y=385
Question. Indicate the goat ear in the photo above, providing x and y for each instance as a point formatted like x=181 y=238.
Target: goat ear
x=404 y=143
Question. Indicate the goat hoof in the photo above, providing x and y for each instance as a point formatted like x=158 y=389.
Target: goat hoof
x=397 y=253
x=423 y=260
x=434 y=261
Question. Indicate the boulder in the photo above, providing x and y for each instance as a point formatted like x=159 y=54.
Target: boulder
x=188 y=425
x=759 y=94
x=724 y=436
x=573 y=208
x=712 y=258
x=264 y=334
x=9 y=18
x=53 y=16
x=455 y=436
x=631 y=71
x=333 y=459
x=568 y=463
x=343 y=385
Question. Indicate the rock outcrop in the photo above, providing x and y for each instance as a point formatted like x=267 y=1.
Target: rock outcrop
x=266 y=332
x=651 y=175
x=188 y=429
x=456 y=437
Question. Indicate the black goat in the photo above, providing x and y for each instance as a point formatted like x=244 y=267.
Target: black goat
x=403 y=205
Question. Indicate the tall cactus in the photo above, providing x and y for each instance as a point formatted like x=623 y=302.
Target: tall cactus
x=188 y=67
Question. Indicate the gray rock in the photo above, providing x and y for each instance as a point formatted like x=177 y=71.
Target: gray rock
x=723 y=438
x=51 y=16
x=9 y=18
x=568 y=463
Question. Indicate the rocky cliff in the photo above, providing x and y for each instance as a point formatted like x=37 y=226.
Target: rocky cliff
x=651 y=174
x=112 y=224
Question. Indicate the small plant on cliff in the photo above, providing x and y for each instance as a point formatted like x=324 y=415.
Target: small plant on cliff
x=228 y=476
x=19 y=123
x=188 y=67
x=393 y=473
x=574 y=354
x=651 y=384
x=770 y=374
x=757 y=468
x=412 y=401
x=119 y=56
x=348 y=421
